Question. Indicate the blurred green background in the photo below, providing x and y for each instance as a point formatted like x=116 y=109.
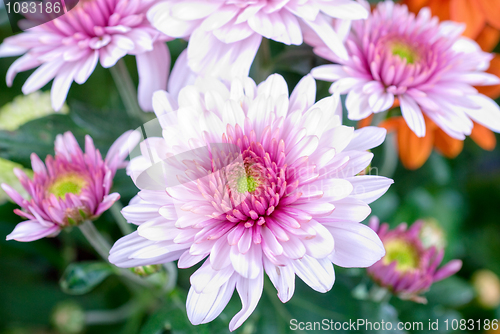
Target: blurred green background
x=462 y=195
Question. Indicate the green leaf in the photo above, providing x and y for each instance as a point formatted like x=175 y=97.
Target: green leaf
x=104 y=125
x=25 y=108
x=36 y=136
x=80 y=278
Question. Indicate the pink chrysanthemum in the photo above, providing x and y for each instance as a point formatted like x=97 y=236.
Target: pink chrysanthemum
x=70 y=188
x=224 y=35
x=265 y=183
x=67 y=49
x=427 y=65
x=408 y=268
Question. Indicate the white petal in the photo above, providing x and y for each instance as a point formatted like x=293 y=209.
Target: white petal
x=412 y=115
x=347 y=210
x=205 y=307
x=181 y=75
x=356 y=245
x=42 y=75
x=357 y=104
x=61 y=84
x=329 y=72
x=303 y=95
x=87 y=67
x=31 y=230
x=193 y=10
x=250 y=291
x=160 y=18
x=488 y=115
x=153 y=68
x=208 y=280
x=283 y=279
x=318 y=274
x=248 y=265
x=369 y=188
x=321 y=245
x=120 y=253
x=325 y=31
x=343 y=9
x=367 y=138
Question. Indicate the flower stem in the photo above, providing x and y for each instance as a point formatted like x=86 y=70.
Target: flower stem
x=171 y=275
x=126 y=89
x=102 y=247
x=124 y=226
x=95 y=238
x=110 y=316
x=390 y=162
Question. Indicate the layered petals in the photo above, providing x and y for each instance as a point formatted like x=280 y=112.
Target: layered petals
x=68 y=48
x=409 y=268
x=256 y=183
x=224 y=35
x=424 y=64
x=71 y=187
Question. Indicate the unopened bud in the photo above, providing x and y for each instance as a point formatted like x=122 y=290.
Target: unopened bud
x=68 y=318
x=487 y=286
x=146 y=270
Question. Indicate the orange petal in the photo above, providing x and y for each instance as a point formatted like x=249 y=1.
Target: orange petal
x=448 y=146
x=491 y=10
x=415 y=5
x=488 y=38
x=492 y=91
x=365 y=122
x=392 y=124
x=484 y=137
x=414 y=151
x=468 y=12
x=440 y=8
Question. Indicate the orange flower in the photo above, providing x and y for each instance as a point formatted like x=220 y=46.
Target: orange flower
x=479 y=15
x=414 y=151
x=482 y=19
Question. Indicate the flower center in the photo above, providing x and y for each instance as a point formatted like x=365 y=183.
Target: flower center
x=403 y=253
x=246 y=177
x=246 y=184
x=404 y=51
x=67 y=184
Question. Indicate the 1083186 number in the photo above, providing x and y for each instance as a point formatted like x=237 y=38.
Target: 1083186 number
x=33 y=7
x=471 y=324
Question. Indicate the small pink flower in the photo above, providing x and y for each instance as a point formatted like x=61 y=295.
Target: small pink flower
x=67 y=49
x=224 y=35
x=250 y=180
x=408 y=268
x=70 y=188
x=426 y=64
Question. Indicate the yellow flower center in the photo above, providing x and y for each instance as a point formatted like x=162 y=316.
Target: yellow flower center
x=246 y=184
x=403 y=253
x=67 y=184
x=404 y=51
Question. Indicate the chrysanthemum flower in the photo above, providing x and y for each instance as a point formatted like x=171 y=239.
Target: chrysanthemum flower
x=427 y=65
x=482 y=25
x=277 y=191
x=224 y=35
x=67 y=49
x=69 y=188
x=408 y=268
